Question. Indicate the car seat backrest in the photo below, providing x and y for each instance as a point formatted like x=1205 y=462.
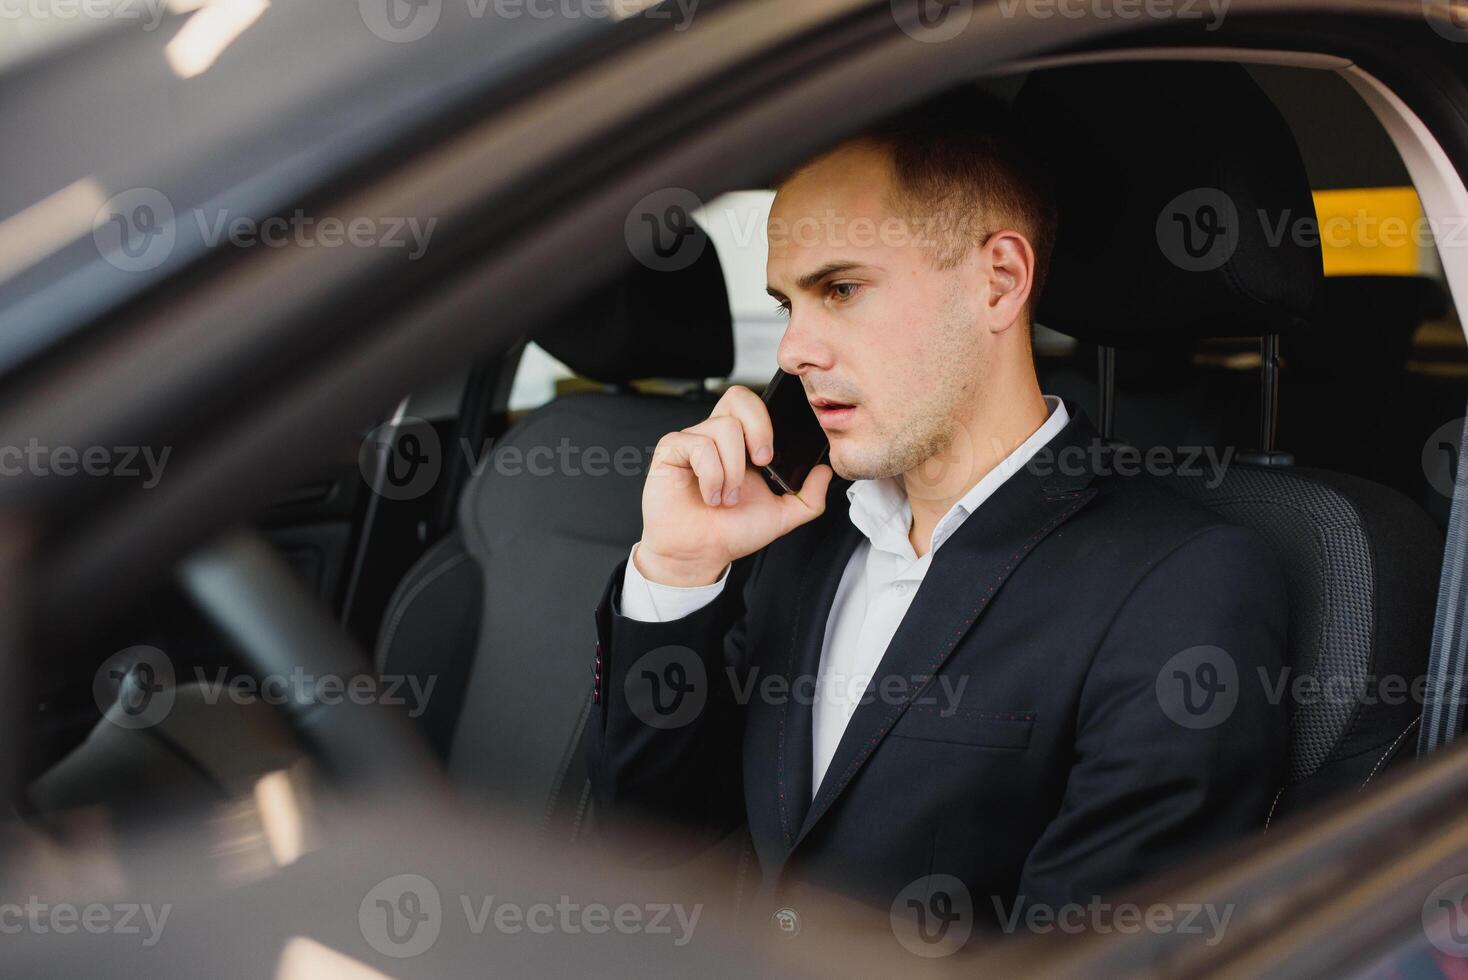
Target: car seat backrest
x=555 y=507
x=1174 y=182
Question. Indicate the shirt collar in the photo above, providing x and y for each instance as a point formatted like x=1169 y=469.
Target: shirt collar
x=880 y=511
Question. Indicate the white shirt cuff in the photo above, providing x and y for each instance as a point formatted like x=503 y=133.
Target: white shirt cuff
x=649 y=602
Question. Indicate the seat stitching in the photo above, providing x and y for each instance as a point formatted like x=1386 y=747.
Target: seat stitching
x=1390 y=749
x=564 y=767
x=1272 y=806
x=579 y=820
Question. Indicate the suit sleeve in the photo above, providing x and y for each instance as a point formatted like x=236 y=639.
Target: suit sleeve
x=1179 y=745
x=664 y=740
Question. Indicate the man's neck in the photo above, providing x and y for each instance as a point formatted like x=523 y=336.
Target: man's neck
x=996 y=428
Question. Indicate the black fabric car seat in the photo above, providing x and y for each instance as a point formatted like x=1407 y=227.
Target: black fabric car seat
x=501 y=609
x=1172 y=181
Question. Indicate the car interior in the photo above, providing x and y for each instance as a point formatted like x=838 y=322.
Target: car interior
x=1329 y=374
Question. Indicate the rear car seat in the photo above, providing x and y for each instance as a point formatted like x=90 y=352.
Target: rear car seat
x=501 y=610
x=1361 y=342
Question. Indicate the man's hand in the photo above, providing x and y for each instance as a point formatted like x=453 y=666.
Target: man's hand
x=700 y=512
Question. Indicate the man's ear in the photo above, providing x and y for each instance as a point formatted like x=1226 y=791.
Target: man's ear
x=1011 y=263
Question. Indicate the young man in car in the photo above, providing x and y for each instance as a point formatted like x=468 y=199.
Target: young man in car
x=977 y=666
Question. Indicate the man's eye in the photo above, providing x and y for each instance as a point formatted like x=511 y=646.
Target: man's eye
x=844 y=290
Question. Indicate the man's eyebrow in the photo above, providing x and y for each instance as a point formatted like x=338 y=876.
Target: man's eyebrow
x=812 y=278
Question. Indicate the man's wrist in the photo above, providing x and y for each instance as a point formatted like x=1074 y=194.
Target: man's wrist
x=676 y=574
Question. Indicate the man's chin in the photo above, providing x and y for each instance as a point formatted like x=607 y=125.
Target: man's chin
x=852 y=464
x=841 y=462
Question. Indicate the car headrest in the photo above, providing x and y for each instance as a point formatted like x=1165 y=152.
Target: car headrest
x=1182 y=201
x=650 y=324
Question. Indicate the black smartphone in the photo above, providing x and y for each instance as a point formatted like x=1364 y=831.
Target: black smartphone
x=800 y=442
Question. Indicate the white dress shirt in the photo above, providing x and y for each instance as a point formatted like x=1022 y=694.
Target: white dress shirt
x=879 y=583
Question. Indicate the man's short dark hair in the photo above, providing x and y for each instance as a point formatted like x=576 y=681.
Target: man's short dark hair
x=963 y=171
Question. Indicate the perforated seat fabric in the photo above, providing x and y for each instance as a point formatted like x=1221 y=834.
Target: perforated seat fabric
x=1361 y=565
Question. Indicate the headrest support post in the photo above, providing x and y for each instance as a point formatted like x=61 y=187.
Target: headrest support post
x=1106 y=389
x=1267 y=454
x=1268 y=391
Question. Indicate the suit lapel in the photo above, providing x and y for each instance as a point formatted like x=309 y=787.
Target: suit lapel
x=965 y=575
x=814 y=596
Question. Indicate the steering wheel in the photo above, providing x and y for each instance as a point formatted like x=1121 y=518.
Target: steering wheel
x=242 y=585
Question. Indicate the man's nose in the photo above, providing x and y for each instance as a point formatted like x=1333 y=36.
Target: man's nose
x=802 y=348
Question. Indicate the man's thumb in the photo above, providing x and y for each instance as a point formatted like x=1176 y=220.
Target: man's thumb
x=810 y=502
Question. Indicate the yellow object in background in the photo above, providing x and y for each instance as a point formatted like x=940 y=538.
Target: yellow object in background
x=1373 y=231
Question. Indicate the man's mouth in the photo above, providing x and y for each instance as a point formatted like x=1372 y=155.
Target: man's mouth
x=832 y=414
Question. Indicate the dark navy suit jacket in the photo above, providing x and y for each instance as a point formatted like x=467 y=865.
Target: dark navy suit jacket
x=1111 y=645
